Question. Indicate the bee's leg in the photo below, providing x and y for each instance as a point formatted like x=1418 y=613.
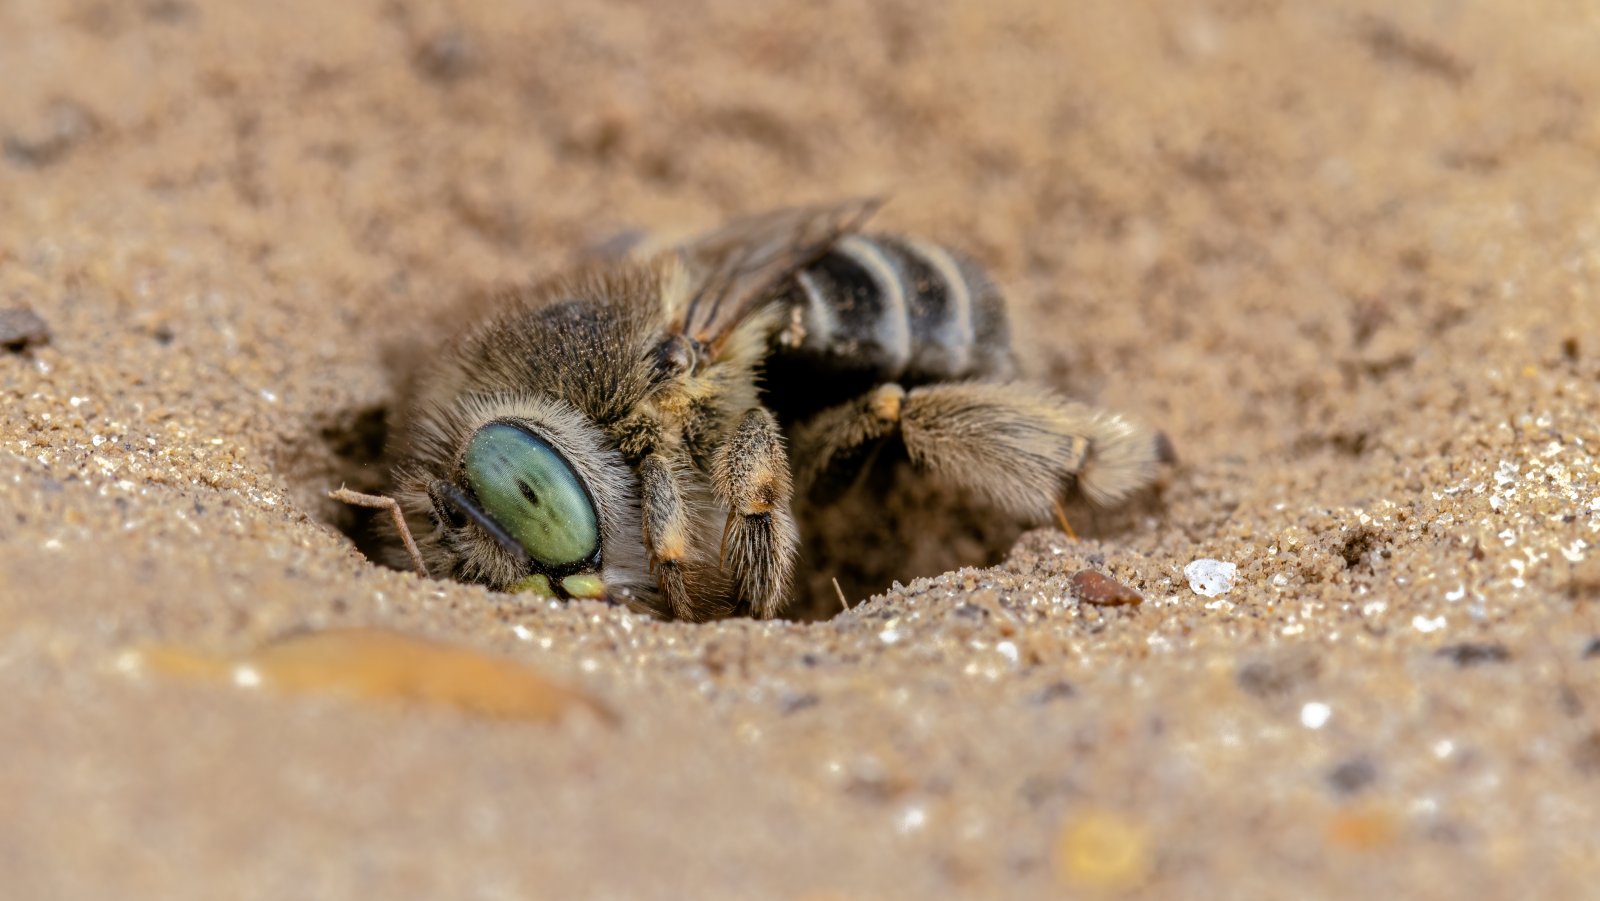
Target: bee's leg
x=1019 y=446
x=750 y=474
x=666 y=532
x=832 y=447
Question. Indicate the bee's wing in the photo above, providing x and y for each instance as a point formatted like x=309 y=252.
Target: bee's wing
x=733 y=270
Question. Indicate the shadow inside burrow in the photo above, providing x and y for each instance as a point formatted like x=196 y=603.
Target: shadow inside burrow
x=897 y=525
x=349 y=448
x=357 y=446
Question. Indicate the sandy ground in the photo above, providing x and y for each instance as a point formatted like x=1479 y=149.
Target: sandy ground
x=1346 y=256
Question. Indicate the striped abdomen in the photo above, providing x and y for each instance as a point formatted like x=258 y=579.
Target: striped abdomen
x=880 y=309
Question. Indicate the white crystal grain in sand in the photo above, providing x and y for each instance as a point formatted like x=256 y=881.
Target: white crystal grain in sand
x=1210 y=578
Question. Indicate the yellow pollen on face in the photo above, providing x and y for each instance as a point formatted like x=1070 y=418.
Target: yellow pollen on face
x=534 y=584
x=584 y=585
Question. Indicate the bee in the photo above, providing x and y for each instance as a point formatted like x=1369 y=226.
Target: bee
x=640 y=430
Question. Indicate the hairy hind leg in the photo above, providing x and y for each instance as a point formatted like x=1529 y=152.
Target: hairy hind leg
x=1018 y=446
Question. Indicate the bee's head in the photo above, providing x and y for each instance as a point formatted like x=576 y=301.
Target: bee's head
x=528 y=498
x=524 y=495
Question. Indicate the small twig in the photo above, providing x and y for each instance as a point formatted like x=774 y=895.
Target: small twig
x=379 y=502
x=840 y=591
x=1061 y=520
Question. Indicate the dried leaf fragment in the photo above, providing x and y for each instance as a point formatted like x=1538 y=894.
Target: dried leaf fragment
x=381 y=664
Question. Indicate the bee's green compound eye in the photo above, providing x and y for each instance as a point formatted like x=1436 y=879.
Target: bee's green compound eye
x=526 y=487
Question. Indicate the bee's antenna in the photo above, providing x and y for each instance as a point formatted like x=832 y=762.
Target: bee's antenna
x=378 y=502
x=459 y=500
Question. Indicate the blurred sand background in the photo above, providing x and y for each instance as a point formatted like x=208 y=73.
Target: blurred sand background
x=1345 y=254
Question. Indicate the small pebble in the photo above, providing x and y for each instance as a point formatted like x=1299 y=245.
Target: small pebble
x=447 y=56
x=1585 y=579
x=1470 y=654
x=65 y=125
x=20 y=328
x=1352 y=776
x=1210 y=578
x=795 y=703
x=1055 y=691
x=1586 y=754
x=1280 y=675
x=1096 y=588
